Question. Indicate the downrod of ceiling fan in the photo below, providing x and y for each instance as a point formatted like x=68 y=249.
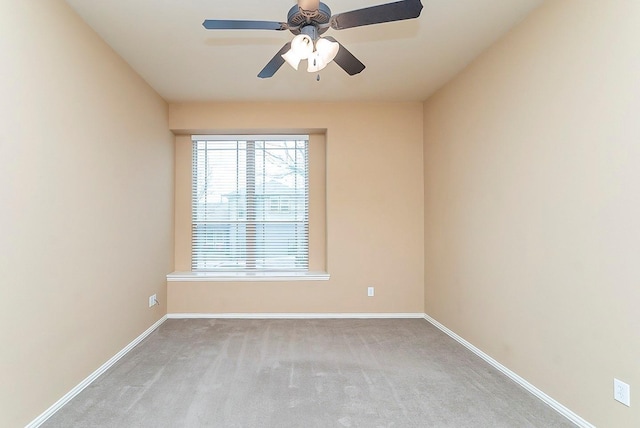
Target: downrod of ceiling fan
x=311 y=31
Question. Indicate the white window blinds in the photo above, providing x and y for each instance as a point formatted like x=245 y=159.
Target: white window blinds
x=250 y=203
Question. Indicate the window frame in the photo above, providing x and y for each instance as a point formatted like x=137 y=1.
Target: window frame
x=251 y=222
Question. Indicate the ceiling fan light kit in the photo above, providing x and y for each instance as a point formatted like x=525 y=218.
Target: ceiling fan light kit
x=308 y=20
x=317 y=51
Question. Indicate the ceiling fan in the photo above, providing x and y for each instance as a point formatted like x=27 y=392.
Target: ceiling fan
x=311 y=18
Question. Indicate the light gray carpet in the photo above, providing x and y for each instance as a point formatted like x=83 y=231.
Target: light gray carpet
x=303 y=373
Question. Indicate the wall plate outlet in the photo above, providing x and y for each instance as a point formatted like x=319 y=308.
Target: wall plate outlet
x=370 y=291
x=621 y=392
x=153 y=300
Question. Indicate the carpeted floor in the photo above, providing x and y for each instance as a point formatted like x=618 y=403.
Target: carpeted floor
x=303 y=373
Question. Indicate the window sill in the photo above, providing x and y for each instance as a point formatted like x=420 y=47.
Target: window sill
x=246 y=276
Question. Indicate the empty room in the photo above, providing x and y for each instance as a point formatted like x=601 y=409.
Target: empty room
x=416 y=213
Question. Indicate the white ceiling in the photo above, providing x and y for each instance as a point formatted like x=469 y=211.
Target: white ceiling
x=164 y=41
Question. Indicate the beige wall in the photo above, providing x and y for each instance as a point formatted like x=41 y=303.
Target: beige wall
x=524 y=243
x=532 y=204
x=86 y=187
x=374 y=208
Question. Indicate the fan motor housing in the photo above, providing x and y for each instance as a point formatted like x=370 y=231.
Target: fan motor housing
x=299 y=18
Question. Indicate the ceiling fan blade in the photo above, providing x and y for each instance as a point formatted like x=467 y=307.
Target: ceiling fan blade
x=397 y=11
x=346 y=60
x=227 y=24
x=276 y=62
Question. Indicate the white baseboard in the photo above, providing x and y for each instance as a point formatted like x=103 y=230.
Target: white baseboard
x=295 y=315
x=564 y=411
x=93 y=376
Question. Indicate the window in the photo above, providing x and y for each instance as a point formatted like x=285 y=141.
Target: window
x=250 y=203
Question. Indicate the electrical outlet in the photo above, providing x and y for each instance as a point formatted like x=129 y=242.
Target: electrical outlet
x=370 y=291
x=153 y=301
x=621 y=392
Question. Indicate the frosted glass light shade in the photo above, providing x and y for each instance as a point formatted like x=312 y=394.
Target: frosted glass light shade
x=327 y=49
x=301 y=48
x=302 y=45
x=325 y=52
x=292 y=59
x=315 y=63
